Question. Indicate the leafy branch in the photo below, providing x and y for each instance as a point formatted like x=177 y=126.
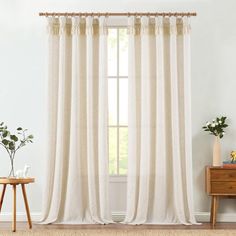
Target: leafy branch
x=13 y=142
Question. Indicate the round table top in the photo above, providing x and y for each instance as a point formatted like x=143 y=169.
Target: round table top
x=5 y=180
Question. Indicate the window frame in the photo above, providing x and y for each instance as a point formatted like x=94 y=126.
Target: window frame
x=117 y=177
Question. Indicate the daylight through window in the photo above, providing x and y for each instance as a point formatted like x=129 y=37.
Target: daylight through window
x=118 y=100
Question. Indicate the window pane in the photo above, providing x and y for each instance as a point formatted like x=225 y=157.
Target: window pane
x=112 y=101
x=123 y=150
x=123 y=102
x=112 y=151
x=123 y=52
x=112 y=52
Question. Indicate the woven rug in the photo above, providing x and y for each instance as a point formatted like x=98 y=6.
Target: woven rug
x=131 y=232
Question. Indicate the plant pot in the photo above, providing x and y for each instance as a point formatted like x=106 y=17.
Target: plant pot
x=217 y=152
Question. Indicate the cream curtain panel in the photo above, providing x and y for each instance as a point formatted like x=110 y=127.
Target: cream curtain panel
x=160 y=151
x=77 y=172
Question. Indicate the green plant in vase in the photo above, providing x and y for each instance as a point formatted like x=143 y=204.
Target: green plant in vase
x=13 y=142
x=216 y=128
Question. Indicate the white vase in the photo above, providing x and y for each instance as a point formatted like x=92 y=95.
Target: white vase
x=216 y=152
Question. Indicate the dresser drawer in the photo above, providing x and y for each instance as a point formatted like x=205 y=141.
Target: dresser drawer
x=223 y=187
x=223 y=175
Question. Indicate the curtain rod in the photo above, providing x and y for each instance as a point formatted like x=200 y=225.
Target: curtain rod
x=181 y=14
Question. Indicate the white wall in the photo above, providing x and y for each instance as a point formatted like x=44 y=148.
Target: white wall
x=23 y=81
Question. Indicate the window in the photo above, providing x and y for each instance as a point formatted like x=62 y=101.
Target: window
x=118 y=100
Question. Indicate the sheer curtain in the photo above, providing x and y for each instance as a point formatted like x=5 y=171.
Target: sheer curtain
x=159 y=164
x=77 y=169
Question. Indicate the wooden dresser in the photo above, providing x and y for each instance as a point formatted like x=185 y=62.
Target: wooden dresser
x=220 y=182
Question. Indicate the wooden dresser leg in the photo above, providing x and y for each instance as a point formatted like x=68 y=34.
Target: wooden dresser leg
x=14 y=209
x=212 y=206
x=217 y=204
x=26 y=206
x=215 y=200
x=2 y=196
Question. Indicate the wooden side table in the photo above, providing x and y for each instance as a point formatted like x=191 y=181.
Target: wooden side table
x=220 y=182
x=14 y=182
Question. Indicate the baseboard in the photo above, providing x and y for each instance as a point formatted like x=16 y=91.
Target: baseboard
x=200 y=217
x=20 y=216
x=120 y=216
x=221 y=217
x=36 y=216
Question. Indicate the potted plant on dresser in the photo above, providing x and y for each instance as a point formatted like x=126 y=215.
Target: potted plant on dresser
x=216 y=128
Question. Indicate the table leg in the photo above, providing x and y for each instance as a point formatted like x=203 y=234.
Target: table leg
x=26 y=205
x=2 y=195
x=14 y=209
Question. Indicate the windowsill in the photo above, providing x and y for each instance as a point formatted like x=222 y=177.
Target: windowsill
x=117 y=178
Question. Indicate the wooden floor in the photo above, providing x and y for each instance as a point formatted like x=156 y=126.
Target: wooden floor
x=23 y=226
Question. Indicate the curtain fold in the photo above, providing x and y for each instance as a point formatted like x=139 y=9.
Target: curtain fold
x=77 y=172
x=160 y=152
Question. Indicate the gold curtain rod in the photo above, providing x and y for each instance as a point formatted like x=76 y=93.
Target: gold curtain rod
x=181 y=14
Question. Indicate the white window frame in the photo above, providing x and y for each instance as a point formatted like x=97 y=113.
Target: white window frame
x=117 y=23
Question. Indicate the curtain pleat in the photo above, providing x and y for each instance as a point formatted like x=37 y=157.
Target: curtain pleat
x=134 y=119
x=175 y=125
x=160 y=187
x=103 y=120
x=159 y=166
x=53 y=75
x=77 y=175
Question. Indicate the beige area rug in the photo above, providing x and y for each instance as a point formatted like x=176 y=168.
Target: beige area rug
x=118 y=232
